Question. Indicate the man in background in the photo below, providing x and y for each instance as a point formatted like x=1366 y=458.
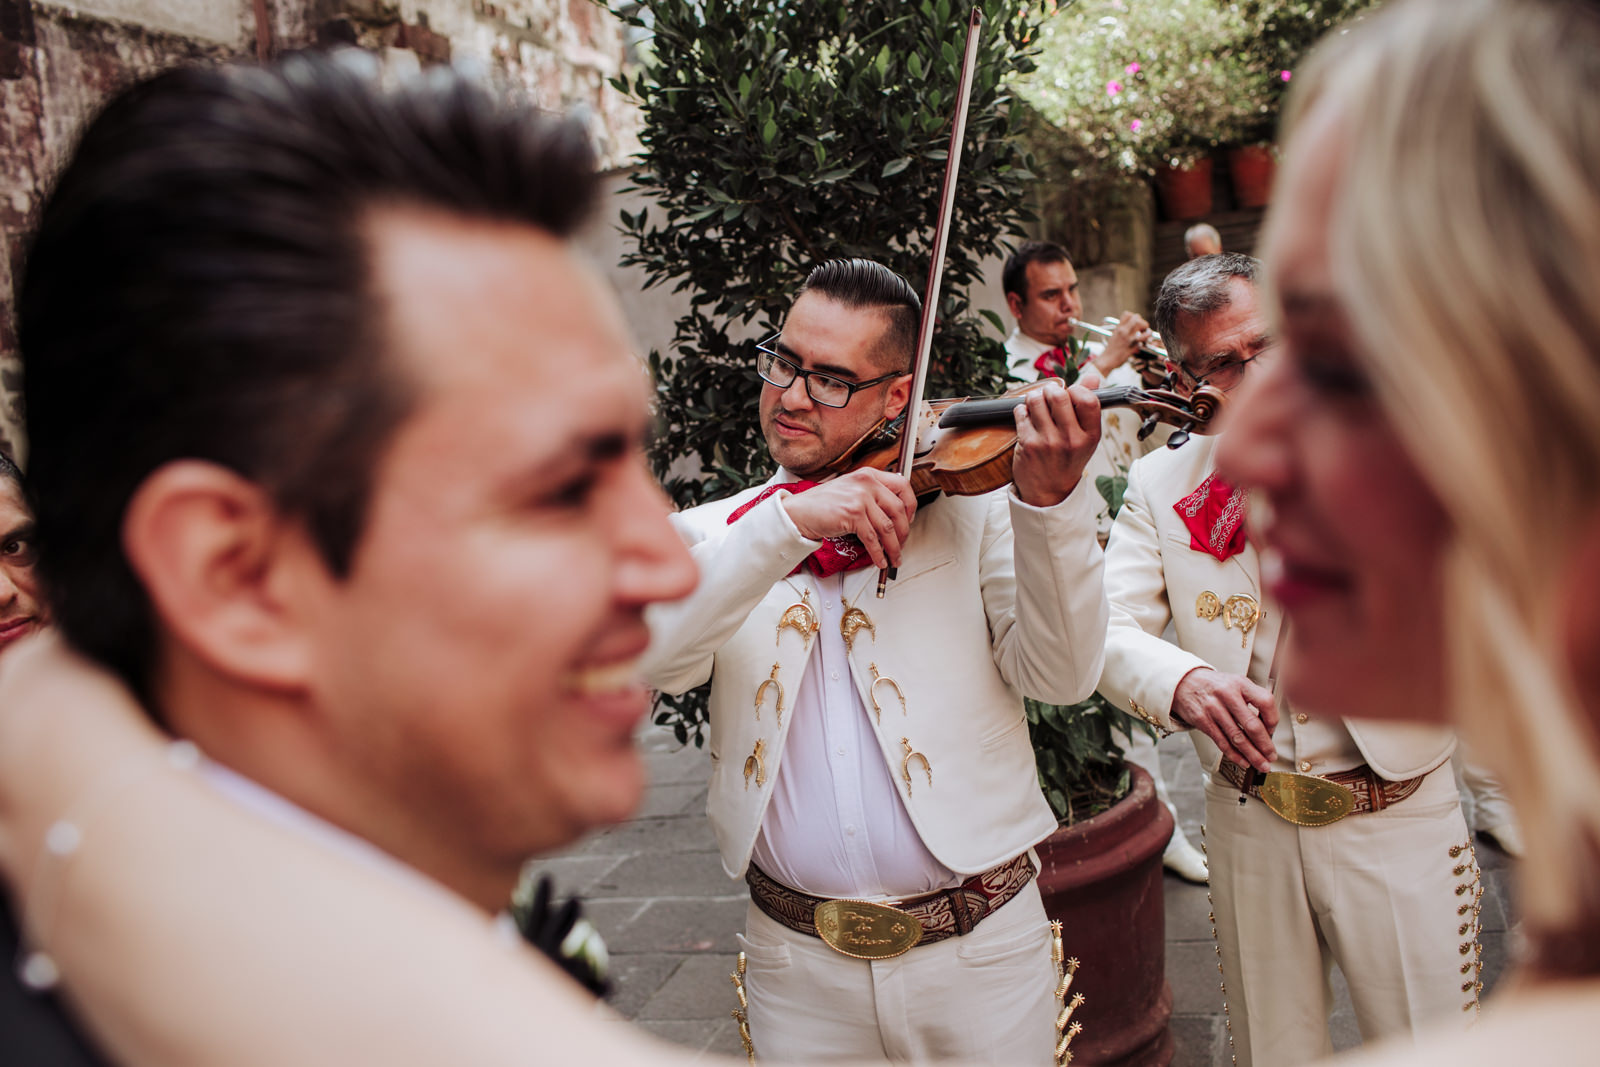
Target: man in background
x=22 y=610
x=1201 y=239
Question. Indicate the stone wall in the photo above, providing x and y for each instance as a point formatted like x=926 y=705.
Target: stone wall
x=60 y=58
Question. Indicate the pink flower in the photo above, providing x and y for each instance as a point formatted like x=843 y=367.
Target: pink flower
x=1113 y=88
x=1132 y=68
x=1285 y=75
x=1135 y=125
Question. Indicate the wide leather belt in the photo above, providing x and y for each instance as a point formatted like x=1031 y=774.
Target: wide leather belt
x=1317 y=800
x=884 y=929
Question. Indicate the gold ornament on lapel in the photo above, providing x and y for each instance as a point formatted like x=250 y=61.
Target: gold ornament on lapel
x=761 y=693
x=905 y=764
x=1207 y=606
x=756 y=764
x=872 y=691
x=799 y=618
x=855 y=620
x=1241 y=611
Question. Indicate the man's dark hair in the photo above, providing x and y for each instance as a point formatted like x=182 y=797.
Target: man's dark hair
x=862 y=283
x=1198 y=287
x=1014 y=277
x=9 y=471
x=199 y=286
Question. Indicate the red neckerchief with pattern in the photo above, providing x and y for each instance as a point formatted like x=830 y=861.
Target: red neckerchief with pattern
x=837 y=554
x=1214 y=515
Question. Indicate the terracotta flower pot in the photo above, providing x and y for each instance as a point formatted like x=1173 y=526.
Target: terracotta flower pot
x=1252 y=166
x=1102 y=879
x=1185 y=192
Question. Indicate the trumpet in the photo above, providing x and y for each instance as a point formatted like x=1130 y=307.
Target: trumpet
x=1148 y=351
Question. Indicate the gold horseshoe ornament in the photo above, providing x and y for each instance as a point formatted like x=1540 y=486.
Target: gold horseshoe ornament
x=799 y=618
x=905 y=764
x=872 y=691
x=761 y=693
x=1207 y=606
x=1241 y=611
x=855 y=620
x=756 y=764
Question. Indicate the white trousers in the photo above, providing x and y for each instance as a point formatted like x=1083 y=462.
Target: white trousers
x=1391 y=896
x=985 y=997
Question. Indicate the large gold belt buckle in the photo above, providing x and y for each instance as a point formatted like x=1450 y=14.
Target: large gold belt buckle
x=866 y=931
x=1305 y=799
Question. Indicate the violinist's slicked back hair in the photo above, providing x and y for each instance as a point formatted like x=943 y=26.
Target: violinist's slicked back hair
x=863 y=283
x=198 y=287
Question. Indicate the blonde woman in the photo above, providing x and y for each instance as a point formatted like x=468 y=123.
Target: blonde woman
x=1427 y=447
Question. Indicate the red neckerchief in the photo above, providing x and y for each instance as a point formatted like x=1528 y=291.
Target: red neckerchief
x=1214 y=514
x=1054 y=362
x=837 y=554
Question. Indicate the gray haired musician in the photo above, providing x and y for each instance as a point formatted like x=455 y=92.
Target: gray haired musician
x=1328 y=839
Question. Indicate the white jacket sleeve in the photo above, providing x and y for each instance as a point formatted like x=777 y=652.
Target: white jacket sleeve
x=1141 y=670
x=1043 y=587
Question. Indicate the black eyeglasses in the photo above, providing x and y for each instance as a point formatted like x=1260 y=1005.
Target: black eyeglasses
x=778 y=370
x=1223 y=374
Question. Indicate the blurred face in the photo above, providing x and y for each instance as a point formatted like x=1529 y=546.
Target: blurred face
x=21 y=611
x=824 y=335
x=476 y=667
x=1052 y=303
x=1353 y=535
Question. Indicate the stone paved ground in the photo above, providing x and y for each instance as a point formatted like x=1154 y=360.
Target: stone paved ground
x=656 y=890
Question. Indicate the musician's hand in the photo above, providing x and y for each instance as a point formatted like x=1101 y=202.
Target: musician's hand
x=1058 y=428
x=1236 y=713
x=1127 y=337
x=874 y=505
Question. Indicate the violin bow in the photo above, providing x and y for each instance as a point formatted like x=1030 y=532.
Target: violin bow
x=941 y=239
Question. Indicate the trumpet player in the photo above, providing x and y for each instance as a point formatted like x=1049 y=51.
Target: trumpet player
x=1042 y=292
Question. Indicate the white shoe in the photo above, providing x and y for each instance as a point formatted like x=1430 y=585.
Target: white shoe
x=1184 y=860
x=1508 y=835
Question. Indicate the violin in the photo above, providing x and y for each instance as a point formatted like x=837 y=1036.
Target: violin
x=966 y=444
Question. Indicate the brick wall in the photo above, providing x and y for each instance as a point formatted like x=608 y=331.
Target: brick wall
x=59 y=60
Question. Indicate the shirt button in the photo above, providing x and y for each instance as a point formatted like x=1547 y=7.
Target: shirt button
x=850 y=831
x=834 y=676
x=1301 y=718
x=840 y=750
x=1305 y=765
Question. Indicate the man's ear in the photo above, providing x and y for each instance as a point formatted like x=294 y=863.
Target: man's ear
x=1015 y=302
x=897 y=395
x=220 y=565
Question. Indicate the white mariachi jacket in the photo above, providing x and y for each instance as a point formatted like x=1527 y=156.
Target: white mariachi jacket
x=1154 y=576
x=994 y=599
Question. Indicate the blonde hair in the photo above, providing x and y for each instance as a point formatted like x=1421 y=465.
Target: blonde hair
x=1465 y=239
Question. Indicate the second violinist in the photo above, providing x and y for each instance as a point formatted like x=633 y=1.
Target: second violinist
x=875 y=750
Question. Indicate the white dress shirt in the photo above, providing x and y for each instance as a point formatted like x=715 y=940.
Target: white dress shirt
x=836 y=826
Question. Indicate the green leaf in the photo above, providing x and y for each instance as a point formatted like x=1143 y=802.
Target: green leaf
x=769 y=130
x=895 y=166
x=914 y=64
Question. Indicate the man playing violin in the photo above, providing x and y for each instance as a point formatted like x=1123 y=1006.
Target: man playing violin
x=1328 y=839
x=868 y=749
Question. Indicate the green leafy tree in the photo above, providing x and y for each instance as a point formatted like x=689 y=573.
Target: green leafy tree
x=781 y=134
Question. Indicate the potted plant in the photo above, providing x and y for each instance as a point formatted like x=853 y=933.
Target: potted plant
x=1150 y=89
